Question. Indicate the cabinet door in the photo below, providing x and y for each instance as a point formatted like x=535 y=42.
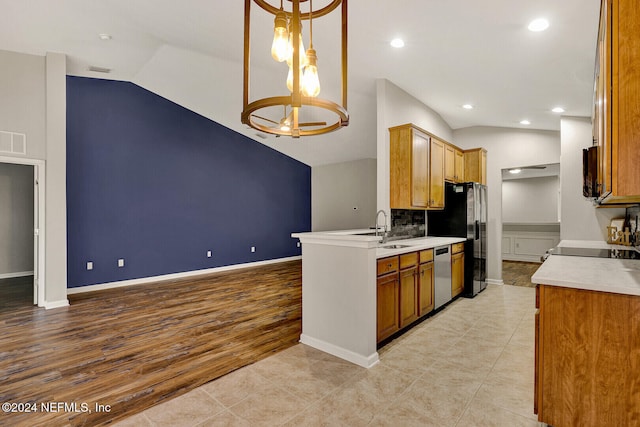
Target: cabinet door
x=457 y=274
x=436 y=184
x=408 y=296
x=459 y=166
x=425 y=289
x=420 y=170
x=449 y=163
x=387 y=304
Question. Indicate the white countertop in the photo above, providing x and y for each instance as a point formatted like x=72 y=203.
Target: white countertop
x=417 y=244
x=620 y=276
x=355 y=238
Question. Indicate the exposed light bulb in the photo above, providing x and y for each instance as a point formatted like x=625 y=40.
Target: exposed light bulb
x=525 y=122
x=558 y=110
x=303 y=57
x=467 y=107
x=290 y=79
x=310 y=80
x=514 y=171
x=280 y=45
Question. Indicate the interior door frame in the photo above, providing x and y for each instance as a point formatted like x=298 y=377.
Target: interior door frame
x=38 y=223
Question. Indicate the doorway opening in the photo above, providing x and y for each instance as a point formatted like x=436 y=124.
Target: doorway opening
x=21 y=232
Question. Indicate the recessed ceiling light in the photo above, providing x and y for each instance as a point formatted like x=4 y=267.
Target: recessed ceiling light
x=397 y=43
x=516 y=170
x=525 y=122
x=558 y=110
x=467 y=107
x=539 y=24
x=104 y=36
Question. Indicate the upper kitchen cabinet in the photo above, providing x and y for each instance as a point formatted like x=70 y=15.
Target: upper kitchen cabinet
x=616 y=117
x=475 y=165
x=453 y=164
x=416 y=167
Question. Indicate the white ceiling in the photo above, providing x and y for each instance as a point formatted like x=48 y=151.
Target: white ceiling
x=456 y=52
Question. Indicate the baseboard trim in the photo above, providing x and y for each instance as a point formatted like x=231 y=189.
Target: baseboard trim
x=16 y=274
x=56 y=304
x=173 y=276
x=343 y=353
x=494 y=281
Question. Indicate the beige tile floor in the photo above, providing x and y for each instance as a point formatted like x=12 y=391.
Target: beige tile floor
x=469 y=365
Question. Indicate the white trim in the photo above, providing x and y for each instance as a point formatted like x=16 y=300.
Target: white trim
x=173 y=276
x=494 y=282
x=348 y=355
x=40 y=172
x=56 y=304
x=16 y=274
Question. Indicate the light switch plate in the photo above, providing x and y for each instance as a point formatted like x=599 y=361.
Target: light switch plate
x=121 y=262
x=89 y=265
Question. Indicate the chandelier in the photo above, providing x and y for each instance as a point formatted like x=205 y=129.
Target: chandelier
x=300 y=111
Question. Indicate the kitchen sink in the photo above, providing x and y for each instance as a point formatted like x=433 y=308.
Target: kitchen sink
x=395 y=246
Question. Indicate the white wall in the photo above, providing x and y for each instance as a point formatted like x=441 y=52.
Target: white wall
x=22 y=99
x=532 y=200
x=506 y=148
x=580 y=219
x=343 y=195
x=397 y=107
x=33 y=101
x=16 y=219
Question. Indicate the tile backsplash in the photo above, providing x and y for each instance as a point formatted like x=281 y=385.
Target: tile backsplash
x=407 y=224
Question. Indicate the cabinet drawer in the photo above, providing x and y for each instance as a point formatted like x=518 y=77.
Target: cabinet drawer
x=408 y=260
x=457 y=247
x=426 y=256
x=387 y=265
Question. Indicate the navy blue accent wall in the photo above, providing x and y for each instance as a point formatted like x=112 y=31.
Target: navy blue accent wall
x=159 y=185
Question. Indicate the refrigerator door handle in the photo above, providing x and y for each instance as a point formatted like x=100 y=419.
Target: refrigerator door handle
x=477 y=230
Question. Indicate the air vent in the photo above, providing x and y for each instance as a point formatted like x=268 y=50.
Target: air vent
x=13 y=142
x=99 y=69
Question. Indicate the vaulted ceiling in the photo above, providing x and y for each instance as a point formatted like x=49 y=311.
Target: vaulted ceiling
x=456 y=52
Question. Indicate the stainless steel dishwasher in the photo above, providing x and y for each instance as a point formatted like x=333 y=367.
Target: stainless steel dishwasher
x=442 y=267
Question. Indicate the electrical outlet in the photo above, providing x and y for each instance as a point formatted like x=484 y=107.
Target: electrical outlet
x=298 y=244
x=121 y=262
x=253 y=248
x=208 y=254
x=89 y=265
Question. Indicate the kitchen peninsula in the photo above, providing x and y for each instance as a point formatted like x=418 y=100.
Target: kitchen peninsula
x=588 y=336
x=339 y=289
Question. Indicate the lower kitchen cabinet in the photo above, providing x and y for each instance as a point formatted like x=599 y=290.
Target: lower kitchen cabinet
x=408 y=296
x=405 y=291
x=387 y=304
x=587 y=358
x=457 y=269
x=425 y=288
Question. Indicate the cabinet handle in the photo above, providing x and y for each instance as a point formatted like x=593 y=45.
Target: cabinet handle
x=389 y=265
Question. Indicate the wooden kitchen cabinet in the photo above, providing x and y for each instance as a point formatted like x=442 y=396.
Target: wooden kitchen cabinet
x=387 y=294
x=457 y=269
x=425 y=283
x=475 y=165
x=587 y=355
x=408 y=295
x=416 y=167
x=616 y=116
x=453 y=164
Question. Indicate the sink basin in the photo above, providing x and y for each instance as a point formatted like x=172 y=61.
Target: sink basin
x=395 y=246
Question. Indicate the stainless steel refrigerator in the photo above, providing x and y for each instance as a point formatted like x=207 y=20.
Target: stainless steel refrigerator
x=465 y=215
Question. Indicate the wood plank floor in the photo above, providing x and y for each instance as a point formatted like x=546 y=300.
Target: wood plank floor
x=133 y=347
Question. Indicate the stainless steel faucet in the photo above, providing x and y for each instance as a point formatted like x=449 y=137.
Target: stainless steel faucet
x=384 y=236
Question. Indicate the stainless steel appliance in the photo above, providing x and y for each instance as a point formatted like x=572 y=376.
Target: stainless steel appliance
x=442 y=271
x=465 y=215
